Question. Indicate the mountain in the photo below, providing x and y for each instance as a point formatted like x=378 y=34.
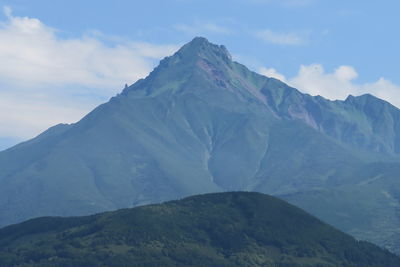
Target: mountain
x=202 y=123
x=221 y=229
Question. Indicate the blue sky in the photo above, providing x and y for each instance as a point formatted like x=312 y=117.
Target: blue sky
x=62 y=58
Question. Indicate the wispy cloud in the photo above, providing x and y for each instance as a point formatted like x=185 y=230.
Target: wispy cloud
x=46 y=79
x=340 y=83
x=7 y=11
x=203 y=28
x=281 y=38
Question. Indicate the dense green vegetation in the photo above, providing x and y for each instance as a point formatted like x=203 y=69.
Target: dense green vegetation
x=201 y=123
x=222 y=229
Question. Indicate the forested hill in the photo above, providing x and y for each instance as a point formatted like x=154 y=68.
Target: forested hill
x=221 y=229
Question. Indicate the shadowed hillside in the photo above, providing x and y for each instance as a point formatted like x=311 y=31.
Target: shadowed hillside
x=224 y=229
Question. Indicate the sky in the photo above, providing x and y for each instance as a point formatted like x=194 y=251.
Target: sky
x=61 y=58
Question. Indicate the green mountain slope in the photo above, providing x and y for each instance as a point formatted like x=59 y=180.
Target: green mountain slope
x=200 y=123
x=223 y=229
x=373 y=212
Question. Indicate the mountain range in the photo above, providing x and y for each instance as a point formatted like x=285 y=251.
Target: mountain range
x=201 y=122
x=220 y=229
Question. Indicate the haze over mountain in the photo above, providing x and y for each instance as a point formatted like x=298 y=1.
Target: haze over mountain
x=200 y=123
x=223 y=229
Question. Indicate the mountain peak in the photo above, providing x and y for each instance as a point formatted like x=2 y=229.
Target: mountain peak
x=199 y=40
x=198 y=55
x=200 y=46
x=368 y=100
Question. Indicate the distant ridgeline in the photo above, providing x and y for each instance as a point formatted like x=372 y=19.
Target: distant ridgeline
x=201 y=123
x=222 y=229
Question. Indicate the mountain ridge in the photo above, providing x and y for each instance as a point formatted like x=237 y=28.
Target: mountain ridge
x=303 y=106
x=202 y=123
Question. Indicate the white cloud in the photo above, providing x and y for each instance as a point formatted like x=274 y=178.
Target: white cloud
x=281 y=38
x=46 y=79
x=313 y=79
x=272 y=73
x=24 y=117
x=31 y=53
x=384 y=89
x=336 y=85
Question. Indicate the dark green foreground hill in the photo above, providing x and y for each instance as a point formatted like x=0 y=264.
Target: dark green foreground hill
x=222 y=229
